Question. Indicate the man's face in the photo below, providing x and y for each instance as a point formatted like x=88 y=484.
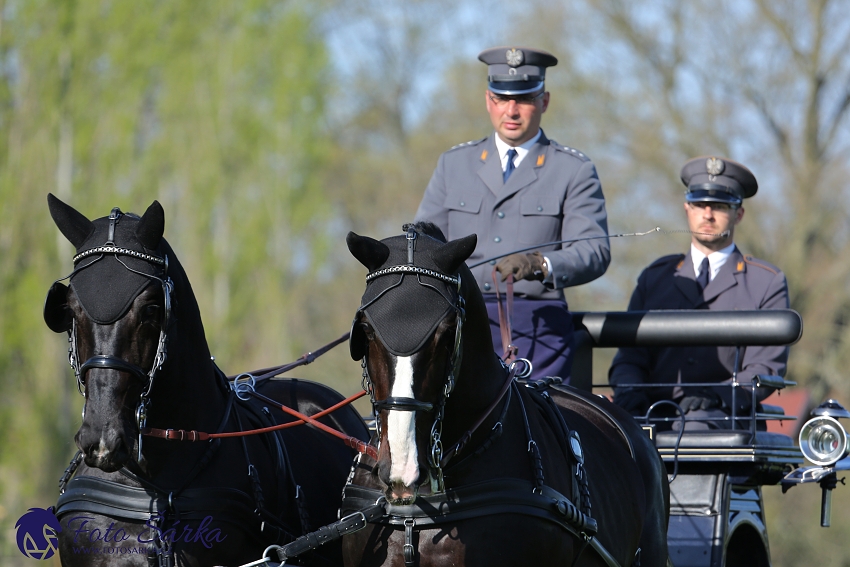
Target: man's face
x=516 y=118
x=711 y=221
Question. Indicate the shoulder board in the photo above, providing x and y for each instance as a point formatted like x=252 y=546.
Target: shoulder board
x=761 y=264
x=568 y=150
x=469 y=143
x=666 y=261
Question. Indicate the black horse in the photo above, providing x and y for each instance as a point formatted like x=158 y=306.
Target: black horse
x=535 y=475
x=142 y=361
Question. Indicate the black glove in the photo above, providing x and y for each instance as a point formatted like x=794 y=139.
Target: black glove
x=523 y=267
x=700 y=400
x=635 y=402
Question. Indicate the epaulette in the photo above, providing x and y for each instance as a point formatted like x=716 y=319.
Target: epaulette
x=667 y=260
x=568 y=150
x=761 y=264
x=469 y=143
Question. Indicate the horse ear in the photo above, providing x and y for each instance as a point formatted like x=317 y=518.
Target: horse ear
x=70 y=222
x=368 y=251
x=57 y=314
x=452 y=254
x=151 y=226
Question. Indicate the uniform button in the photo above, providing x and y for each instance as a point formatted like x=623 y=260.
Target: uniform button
x=492 y=262
x=462 y=204
x=691 y=360
x=500 y=214
x=563 y=278
x=486 y=287
x=497 y=239
x=539 y=208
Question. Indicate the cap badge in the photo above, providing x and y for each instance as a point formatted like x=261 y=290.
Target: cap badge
x=514 y=57
x=714 y=166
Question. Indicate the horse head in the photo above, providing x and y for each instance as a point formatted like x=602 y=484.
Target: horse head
x=420 y=313
x=117 y=310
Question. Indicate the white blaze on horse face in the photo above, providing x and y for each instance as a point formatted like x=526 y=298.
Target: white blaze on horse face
x=401 y=428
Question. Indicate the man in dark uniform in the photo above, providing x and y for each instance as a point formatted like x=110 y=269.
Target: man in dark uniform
x=714 y=274
x=515 y=189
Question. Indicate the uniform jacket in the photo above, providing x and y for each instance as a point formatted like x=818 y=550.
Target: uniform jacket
x=553 y=195
x=743 y=282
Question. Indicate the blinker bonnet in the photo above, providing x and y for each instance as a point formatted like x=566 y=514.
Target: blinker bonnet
x=404 y=301
x=101 y=280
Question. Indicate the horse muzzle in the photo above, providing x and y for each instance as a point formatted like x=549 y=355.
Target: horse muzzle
x=400 y=495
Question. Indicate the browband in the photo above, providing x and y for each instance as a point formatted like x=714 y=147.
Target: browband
x=406 y=269
x=116 y=250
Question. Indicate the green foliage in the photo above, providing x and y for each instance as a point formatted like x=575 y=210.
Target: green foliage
x=213 y=108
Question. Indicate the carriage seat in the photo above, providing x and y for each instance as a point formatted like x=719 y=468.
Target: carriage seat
x=722 y=438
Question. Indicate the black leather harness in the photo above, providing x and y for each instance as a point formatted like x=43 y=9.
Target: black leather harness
x=155 y=505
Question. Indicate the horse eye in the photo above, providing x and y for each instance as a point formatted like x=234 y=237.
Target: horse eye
x=368 y=330
x=150 y=313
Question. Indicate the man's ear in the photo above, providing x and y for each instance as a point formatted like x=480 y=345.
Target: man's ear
x=545 y=102
x=739 y=215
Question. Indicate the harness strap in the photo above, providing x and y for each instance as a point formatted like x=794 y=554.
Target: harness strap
x=192 y=435
x=70 y=471
x=533 y=449
x=352 y=442
x=349 y=524
x=109 y=498
x=509 y=351
x=495 y=433
x=572 y=393
x=464 y=439
x=497 y=496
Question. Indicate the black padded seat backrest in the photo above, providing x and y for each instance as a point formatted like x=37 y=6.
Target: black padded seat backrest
x=724 y=439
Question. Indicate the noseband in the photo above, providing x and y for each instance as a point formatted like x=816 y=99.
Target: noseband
x=435 y=453
x=106 y=361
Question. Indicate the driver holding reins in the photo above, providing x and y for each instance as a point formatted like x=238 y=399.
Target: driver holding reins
x=516 y=188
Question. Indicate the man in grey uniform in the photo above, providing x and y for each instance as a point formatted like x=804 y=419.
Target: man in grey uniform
x=714 y=274
x=516 y=189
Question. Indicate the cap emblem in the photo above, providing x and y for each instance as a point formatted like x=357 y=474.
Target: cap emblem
x=514 y=57
x=714 y=166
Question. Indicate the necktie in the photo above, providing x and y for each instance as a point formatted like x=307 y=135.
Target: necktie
x=510 y=167
x=704 y=269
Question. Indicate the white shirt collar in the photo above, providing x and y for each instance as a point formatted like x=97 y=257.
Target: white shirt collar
x=715 y=259
x=521 y=151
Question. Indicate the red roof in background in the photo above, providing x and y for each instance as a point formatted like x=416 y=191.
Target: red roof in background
x=795 y=402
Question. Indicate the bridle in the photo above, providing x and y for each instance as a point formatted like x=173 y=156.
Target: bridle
x=458 y=304
x=113 y=362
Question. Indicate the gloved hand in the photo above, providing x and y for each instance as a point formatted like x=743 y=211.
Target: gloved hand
x=523 y=266
x=635 y=402
x=700 y=400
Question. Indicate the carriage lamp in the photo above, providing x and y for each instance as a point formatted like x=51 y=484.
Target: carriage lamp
x=823 y=440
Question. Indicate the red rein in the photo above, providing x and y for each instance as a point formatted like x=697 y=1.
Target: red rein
x=358 y=445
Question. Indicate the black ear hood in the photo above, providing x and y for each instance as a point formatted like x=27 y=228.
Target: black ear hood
x=107 y=283
x=405 y=305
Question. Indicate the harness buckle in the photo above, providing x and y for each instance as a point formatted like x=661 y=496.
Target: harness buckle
x=408 y=549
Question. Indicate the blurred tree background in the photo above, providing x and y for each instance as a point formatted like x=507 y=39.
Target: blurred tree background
x=268 y=129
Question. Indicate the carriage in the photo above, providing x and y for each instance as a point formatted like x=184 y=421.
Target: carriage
x=717 y=514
